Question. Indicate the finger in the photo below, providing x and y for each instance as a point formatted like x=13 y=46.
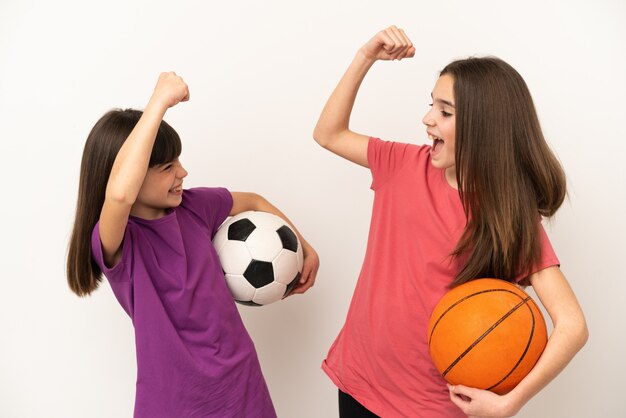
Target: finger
x=388 y=44
x=402 y=53
x=409 y=50
x=301 y=288
x=304 y=276
x=397 y=33
x=312 y=277
x=464 y=392
x=308 y=283
x=458 y=400
x=309 y=278
x=403 y=42
x=296 y=290
x=405 y=37
x=398 y=43
x=306 y=271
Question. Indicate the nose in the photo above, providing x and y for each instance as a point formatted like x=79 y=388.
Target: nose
x=181 y=173
x=428 y=120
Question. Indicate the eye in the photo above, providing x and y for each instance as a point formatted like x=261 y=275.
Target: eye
x=445 y=114
x=167 y=167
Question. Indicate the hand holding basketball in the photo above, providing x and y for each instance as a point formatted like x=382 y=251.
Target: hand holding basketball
x=479 y=403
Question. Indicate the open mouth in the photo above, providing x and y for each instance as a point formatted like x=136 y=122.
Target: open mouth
x=437 y=143
x=177 y=189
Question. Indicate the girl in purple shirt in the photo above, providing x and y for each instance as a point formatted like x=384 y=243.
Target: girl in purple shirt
x=152 y=240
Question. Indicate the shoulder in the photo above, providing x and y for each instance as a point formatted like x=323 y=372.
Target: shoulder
x=378 y=143
x=119 y=271
x=386 y=158
x=211 y=204
x=381 y=151
x=205 y=193
x=203 y=197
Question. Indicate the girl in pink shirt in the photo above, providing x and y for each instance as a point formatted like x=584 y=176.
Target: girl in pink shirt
x=467 y=206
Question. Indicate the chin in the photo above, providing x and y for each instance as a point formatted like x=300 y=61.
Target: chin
x=173 y=203
x=437 y=164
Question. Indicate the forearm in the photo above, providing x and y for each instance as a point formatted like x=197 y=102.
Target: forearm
x=265 y=206
x=335 y=117
x=243 y=201
x=565 y=341
x=569 y=335
x=131 y=163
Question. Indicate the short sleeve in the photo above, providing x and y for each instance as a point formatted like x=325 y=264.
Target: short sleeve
x=548 y=256
x=547 y=259
x=122 y=270
x=212 y=204
x=385 y=158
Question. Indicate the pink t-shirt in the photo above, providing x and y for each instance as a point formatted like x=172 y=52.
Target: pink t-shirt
x=381 y=355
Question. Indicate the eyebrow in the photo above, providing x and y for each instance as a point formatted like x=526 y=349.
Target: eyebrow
x=445 y=102
x=163 y=166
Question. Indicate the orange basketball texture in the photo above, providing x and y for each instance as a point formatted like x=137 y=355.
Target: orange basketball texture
x=487 y=334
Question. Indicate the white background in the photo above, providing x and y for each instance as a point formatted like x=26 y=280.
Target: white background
x=259 y=73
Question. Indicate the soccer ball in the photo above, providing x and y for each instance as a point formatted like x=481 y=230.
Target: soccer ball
x=261 y=257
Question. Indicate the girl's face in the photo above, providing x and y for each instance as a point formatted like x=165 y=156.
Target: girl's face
x=161 y=189
x=440 y=126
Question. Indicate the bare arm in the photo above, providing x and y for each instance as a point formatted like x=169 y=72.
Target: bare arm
x=332 y=130
x=131 y=164
x=568 y=337
x=252 y=201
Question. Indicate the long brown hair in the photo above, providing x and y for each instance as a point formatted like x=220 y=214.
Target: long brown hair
x=103 y=144
x=507 y=175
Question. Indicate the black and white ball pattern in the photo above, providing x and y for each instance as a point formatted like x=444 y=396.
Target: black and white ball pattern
x=261 y=257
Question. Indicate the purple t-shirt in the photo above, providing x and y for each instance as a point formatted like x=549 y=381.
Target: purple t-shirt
x=194 y=355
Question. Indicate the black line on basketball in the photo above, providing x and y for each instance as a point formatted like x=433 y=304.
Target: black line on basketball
x=530 y=339
x=430 y=337
x=479 y=339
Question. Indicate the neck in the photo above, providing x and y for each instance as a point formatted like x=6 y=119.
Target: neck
x=450 y=174
x=147 y=213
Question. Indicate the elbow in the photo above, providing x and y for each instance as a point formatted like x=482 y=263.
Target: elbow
x=583 y=334
x=245 y=201
x=573 y=329
x=326 y=138
x=579 y=332
x=582 y=331
x=120 y=197
x=257 y=201
x=320 y=137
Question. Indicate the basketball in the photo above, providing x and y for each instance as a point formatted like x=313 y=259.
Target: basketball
x=487 y=334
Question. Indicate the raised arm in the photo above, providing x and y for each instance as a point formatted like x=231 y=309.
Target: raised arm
x=568 y=337
x=131 y=164
x=332 y=130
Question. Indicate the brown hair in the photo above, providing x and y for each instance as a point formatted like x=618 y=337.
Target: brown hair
x=103 y=144
x=506 y=172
